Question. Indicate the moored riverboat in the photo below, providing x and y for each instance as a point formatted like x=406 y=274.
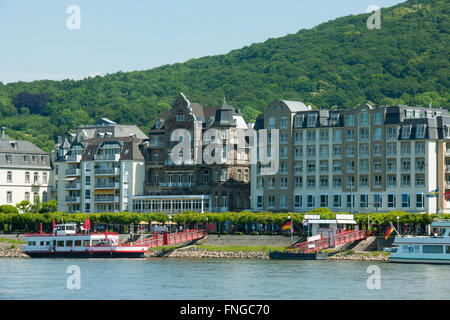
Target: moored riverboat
x=66 y=242
x=433 y=249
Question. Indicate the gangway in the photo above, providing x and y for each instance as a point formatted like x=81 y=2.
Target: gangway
x=324 y=243
x=171 y=238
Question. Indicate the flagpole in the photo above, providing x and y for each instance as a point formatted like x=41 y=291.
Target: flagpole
x=394 y=227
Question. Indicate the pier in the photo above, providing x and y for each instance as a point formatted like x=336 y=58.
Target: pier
x=171 y=238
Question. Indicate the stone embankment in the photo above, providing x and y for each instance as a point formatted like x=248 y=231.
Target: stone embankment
x=11 y=251
x=360 y=256
x=198 y=253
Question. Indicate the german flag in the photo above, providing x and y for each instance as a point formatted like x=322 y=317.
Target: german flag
x=287 y=225
x=391 y=228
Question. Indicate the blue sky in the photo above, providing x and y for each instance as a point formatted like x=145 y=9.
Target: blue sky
x=141 y=34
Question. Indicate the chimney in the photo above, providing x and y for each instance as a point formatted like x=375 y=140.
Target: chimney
x=3 y=132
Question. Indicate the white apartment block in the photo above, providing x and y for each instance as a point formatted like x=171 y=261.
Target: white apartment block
x=357 y=160
x=100 y=168
x=25 y=172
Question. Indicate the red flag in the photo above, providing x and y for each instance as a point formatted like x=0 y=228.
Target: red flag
x=54 y=225
x=40 y=228
x=87 y=225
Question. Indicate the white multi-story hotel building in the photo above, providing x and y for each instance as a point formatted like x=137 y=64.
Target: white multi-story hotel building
x=359 y=160
x=24 y=172
x=99 y=168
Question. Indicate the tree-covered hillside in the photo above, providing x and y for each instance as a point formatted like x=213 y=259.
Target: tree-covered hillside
x=338 y=63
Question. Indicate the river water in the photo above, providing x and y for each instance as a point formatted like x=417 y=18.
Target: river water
x=169 y=279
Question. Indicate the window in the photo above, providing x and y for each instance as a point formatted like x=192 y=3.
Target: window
x=392 y=181
x=420 y=131
x=429 y=248
x=377 y=150
x=364 y=200
x=323 y=136
x=420 y=200
x=364 y=182
x=311 y=182
x=378 y=118
x=324 y=166
x=298 y=121
x=364 y=150
x=311 y=136
x=283 y=167
x=298 y=152
x=283 y=202
x=323 y=182
x=350 y=135
x=271 y=183
x=377 y=134
x=364 y=134
x=337 y=200
x=337 y=182
x=312 y=120
x=224 y=175
x=377 y=166
x=87 y=194
x=391 y=149
x=391 y=166
x=337 y=151
x=88 y=180
x=350 y=166
x=392 y=200
x=406 y=148
x=420 y=148
x=26 y=159
x=377 y=181
x=8 y=158
x=283 y=183
x=311 y=201
x=350 y=119
x=298 y=168
x=405 y=200
x=364 y=166
x=27 y=196
x=377 y=200
x=311 y=152
x=324 y=151
x=350 y=182
x=298 y=137
x=9 y=196
x=420 y=181
x=363 y=118
x=298 y=182
x=283 y=138
x=392 y=133
x=337 y=166
x=337 y=135
x=260 y=201
x=406 y=180
x=350 y=201
x=271 y=203
x=298 y=201
x=406 y=132
x=180 y=117
x=271 y=123
x=283 y=152
x=323 y=201
x=420 y=165
x=9 y=176
x=284 y=123
x=350 y=151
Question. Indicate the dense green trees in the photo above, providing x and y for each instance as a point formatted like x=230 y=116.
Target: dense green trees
x=338 y=63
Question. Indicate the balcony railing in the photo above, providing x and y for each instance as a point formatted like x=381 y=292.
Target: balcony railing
x=176 y=184
x=73 y=185
x=107 y=185
x=72 y=199
x=73 y=158
x=73 y=172
x=106 y=199
x=107 y=171
x=107 y=157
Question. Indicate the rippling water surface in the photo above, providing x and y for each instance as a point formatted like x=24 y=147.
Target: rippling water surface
x=219 y=279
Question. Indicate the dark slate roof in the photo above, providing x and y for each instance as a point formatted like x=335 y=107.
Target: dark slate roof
x=224 y=116
x=17 y=150
x=19 y=146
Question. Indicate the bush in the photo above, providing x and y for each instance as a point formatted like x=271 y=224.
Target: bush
x=7 y=208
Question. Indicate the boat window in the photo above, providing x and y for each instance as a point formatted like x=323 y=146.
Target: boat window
x=447 y=249
x=31 y=243
x=42 y=243
x=86 y=243
x=95 y=242
x=432 y=249
x=47 y=243
x=60 y=243
x=77 y=243
x=69 y=243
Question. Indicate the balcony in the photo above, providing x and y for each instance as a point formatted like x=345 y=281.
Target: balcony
x=176 y=184
x=73 y=172
x=72 y=199
x=73 y=158
x=106 y=199
x=107 y=171
x=157 y=144
x=107 y=157
x=107 y=185
x=73 y=186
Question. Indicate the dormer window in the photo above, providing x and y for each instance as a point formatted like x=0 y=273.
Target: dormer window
x=406 y=132
x=180 y=117
x=298 y=121
x=420 y=131
x=8 y=158
x=157 y=124
x=334 y=118
x=312 y=120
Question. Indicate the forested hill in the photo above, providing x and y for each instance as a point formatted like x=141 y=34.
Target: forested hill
x=338 y=63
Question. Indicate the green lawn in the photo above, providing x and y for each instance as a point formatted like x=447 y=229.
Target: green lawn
x=12 y=241
x=241 y=248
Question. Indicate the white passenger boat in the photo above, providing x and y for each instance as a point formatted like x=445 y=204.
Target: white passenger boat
x=65 y=242
x=424 y=249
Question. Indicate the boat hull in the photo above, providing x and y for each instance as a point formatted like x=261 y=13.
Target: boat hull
x=419 y=261
x=85 y=254
x=296 y=256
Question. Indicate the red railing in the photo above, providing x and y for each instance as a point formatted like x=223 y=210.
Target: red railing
x=163 y=240
x=66 y=235
x=349 y=236
x=340 y=238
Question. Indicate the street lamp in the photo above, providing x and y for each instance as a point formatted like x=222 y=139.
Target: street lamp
x=170 y=224
x=206 y=225
x=368 y=223
x=290 y=218
x=398 y=225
